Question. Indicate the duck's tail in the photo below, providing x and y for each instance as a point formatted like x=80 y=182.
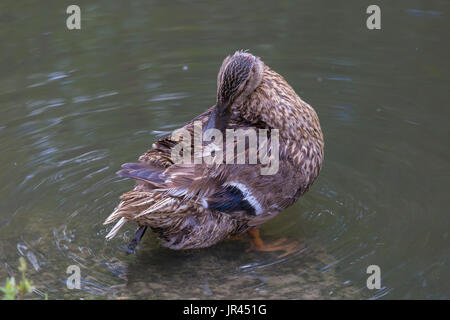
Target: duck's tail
x=116 y=228
x=117 y=213
x=127 y=210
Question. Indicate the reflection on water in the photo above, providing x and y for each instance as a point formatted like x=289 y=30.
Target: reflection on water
x=76 y=105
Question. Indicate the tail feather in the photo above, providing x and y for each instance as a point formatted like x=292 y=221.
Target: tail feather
x=113 y=216
x=142 y=171
x=127 y=206
x=116 y=228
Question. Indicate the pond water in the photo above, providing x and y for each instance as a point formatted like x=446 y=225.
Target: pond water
x=75 y=105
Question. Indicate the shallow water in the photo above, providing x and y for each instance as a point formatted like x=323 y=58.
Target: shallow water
x=75 y=105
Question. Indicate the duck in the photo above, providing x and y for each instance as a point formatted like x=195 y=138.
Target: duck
x=197 y=204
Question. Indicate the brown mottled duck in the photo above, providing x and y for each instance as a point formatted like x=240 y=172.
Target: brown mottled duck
x=196 y=205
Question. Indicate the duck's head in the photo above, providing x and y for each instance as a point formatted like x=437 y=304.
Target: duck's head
x=239 y=75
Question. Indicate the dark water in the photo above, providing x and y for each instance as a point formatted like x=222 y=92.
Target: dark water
x=75 y=105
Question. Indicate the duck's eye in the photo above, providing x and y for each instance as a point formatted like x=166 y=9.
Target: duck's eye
x=246 y=82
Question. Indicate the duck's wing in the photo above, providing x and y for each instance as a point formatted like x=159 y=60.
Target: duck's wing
x=241 y=189
x=254 y=190
x=227 y=187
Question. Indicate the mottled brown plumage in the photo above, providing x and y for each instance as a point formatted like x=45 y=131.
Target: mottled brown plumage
x=197 y=205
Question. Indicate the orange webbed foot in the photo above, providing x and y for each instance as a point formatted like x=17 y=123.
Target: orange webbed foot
x=280 y=245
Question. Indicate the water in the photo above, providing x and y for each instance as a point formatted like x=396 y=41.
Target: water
x=75 y=105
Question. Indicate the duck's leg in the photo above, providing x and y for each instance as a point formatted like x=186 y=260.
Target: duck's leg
x=279 y=245
x=136 y=239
